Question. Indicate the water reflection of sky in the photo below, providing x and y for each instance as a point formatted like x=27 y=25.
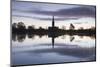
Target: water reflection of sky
x=82 y=41
x=38 y=50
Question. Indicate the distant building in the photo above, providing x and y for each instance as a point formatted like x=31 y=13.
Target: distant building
x=52 y=31
x=53 y=28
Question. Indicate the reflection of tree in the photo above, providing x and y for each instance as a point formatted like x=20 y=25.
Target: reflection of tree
x=21 y=38
x=81 y=37
x=31 y=36
x=14 y=37
x=63 y=36
x=92 y=37
x=72 y=38
x=40 y=36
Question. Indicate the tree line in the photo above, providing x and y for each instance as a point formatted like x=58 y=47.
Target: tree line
x=20 y=28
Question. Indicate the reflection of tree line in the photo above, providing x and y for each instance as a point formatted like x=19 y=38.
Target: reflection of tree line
x=22 y=37
x=20 y=30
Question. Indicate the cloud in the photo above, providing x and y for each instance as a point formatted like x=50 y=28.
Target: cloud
x=44 y=11
x=73 y=12
x=47 y=18
x=63 y=49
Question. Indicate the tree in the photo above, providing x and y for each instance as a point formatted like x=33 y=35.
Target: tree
x=93 y=28
x=21 y=26
x=40 y=28
x=64 y=27
x=81 y=28
x=72 y=26
x=31 y=27
x=14 y=25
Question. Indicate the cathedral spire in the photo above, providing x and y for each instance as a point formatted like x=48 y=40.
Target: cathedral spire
x=53 y=23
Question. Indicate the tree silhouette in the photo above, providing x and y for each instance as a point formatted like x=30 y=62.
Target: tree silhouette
x=72 y=26
x=64 y=27
x=81 y=28
x=41 y=29
x=21 y=28
x=31 y=27
x=21 y=25
x=14 y=27
x=93 y=28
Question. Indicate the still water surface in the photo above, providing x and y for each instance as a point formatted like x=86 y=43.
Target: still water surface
x=34 y=49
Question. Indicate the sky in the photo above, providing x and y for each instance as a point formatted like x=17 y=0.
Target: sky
x=40 y=14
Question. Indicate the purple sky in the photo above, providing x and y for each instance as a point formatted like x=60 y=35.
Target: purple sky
x=45 y=11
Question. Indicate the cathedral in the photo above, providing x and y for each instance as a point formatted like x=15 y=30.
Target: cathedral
x=53 y=28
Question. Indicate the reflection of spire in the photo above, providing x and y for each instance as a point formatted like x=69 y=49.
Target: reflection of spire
x=53 y=23
x=53 y=42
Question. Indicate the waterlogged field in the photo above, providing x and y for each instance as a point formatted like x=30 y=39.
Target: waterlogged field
x=33 y=49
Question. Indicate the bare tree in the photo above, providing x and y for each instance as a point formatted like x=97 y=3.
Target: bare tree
x=72 y=27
